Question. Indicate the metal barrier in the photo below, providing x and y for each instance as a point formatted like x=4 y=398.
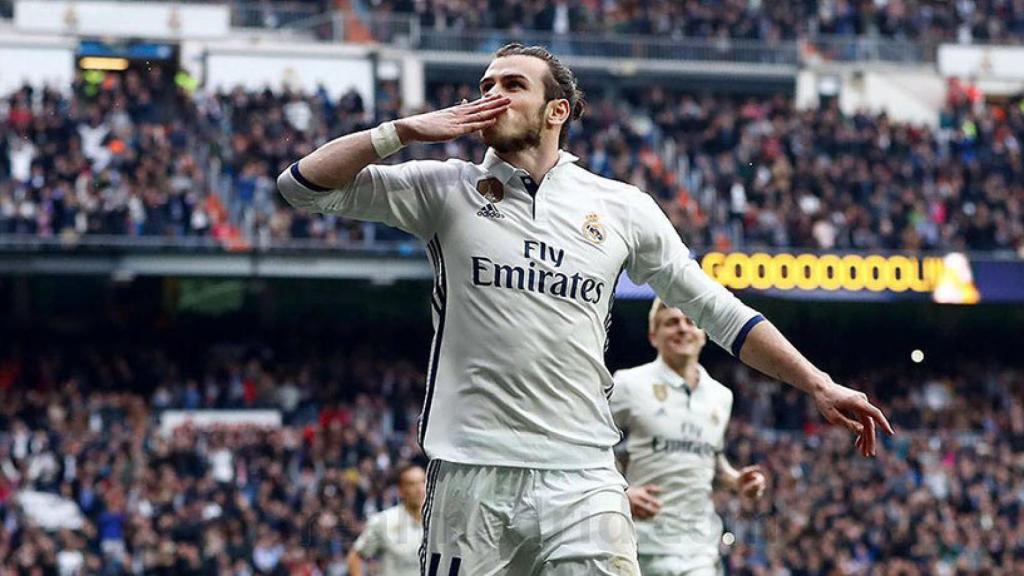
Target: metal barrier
x=405 y=31
x=297 y=17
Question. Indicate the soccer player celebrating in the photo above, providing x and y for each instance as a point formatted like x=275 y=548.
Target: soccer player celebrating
x=394 y=535
x=526 y=248
x=676 y=415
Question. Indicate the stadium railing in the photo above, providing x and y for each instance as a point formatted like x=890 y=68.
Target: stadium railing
x=405 y=31
x=300 y=18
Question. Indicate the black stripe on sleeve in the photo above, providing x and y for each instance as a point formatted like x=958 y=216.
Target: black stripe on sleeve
x=737 y=344
x=302 y=180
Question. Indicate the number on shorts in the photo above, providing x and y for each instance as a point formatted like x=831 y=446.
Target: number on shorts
x=435 y=563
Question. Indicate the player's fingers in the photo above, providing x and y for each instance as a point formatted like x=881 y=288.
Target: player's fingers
x=484 y=103
x=653 y=489
x=646 y=498
x=754 y=478
x=836 y=417
x=643 y=513
x=467 y=102
x=876 y=414
x=869 y=434
x=466 y=106
x=643 y=510
x=474 y=126
x=483 y=115
x=752 y=489
x=750 y=472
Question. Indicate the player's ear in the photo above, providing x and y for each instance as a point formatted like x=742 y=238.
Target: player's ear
x=558 y=111
x=650 y=338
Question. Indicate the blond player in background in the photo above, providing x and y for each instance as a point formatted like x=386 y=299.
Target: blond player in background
x=676 y=416
x=393 y=536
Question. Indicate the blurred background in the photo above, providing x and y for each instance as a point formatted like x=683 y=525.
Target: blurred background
x=196 y=379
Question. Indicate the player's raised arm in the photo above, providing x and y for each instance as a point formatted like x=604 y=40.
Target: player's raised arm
x=335 y=164
x=662 y=260
x=341 y=177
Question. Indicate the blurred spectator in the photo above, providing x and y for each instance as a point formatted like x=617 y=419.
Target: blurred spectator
x=943 y=497
x=928 y=20
x=731 y=172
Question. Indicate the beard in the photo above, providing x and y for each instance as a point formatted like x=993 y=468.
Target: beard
x=526 y=137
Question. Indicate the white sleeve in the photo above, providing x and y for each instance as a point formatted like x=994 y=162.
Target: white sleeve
x=619 y=401
x=371 y=542
x=408 y=196
x=659 y=258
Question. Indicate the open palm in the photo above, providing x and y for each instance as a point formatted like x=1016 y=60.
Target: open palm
x=452 y=122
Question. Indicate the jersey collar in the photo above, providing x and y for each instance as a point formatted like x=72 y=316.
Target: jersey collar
x=675 y=380
x=504 y=171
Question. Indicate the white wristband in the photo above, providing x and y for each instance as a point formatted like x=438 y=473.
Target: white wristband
x=385 y=139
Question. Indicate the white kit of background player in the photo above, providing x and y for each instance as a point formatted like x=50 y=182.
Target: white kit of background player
x=527 y=247
x=675 y=416
x=393 y=536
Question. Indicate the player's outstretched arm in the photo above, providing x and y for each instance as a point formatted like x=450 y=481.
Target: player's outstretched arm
x=663 y=261
x=768 y=351
x=335 y=164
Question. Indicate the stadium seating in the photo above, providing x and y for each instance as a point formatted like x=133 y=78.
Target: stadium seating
x=940 y=498
x=985 y=20
x=731 y=172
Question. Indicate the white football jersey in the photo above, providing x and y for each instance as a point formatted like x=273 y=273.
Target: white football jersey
x=393 y=536
x=674 y=435
x=523 y=288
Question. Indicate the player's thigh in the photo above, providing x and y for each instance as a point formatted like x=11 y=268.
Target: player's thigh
x=603 y=544
x=667 y=565
x=466 y=521
x=586 y=527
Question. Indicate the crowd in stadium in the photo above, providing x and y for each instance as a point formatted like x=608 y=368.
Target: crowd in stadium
x=983 y=20
x=943 y=496
x=124 y=155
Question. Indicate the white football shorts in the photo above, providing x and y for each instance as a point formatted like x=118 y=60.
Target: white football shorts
x=504 y=521
x=669 y=565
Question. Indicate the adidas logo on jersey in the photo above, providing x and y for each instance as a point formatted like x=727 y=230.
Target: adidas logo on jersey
x=489 y=211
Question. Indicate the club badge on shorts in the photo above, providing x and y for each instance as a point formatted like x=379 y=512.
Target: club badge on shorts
x=593 y=230
x=491 y=189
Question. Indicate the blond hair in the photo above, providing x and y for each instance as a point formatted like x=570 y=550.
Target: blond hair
x=652 y=316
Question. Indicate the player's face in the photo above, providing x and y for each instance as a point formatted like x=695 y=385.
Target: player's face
x=521 y=80
x=412 y=486
x=676 y=336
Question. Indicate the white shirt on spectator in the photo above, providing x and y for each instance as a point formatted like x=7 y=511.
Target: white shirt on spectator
x=21 y=153
x=92 y=142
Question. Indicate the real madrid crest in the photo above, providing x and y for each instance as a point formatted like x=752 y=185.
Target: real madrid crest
x=715 y=418
x=491 y=189
x=593 y=230
x=660 y=392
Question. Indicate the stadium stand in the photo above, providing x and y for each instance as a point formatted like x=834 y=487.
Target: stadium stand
x=923 y=20
x=941 y=498
x=731 y=171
